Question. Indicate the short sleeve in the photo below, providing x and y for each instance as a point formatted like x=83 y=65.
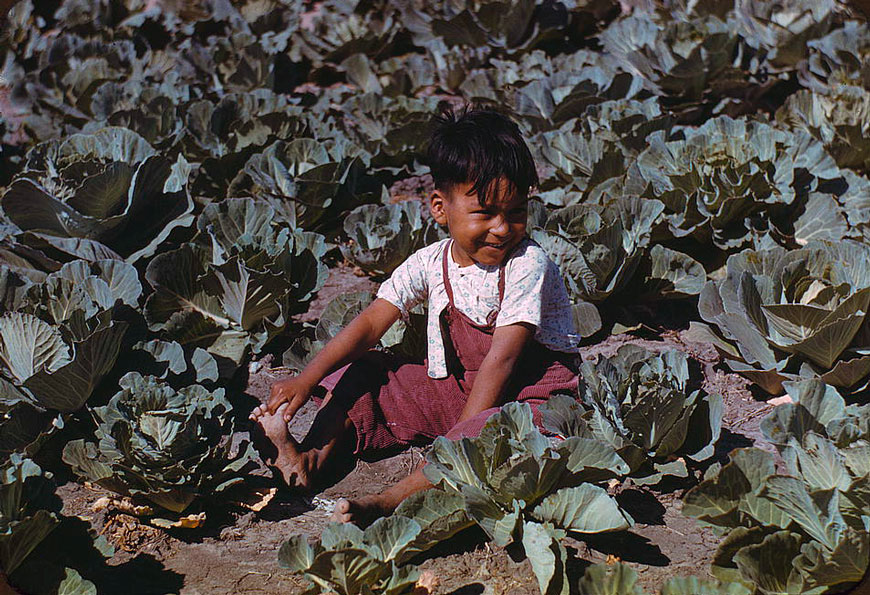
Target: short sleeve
x=408 y=286
x=527 y=278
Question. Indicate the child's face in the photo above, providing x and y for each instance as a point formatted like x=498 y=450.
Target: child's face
x=481 y=234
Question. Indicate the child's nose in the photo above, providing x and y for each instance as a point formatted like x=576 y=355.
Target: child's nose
x=499 y=225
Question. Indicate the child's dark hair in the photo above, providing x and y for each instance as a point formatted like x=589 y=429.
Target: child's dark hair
x=478 y=146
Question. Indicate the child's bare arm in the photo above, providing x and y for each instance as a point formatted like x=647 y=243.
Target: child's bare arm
x=498 y=365
x=355 y=339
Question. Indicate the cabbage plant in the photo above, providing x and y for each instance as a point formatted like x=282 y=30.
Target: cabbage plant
x=802 y=529
x=618 y=577
x=838 y=58
x=62 y=339
x=234 y=288
x=781 y=314
x=308 y=182
x=677 y=55
x=647 y=406
x=348 y=560
x=167 y=446
x=838 y=119
x=109 y=190
x=605 y=255
x=729 y=179
x=381 y=237
x=521 y=487
x=778 y=34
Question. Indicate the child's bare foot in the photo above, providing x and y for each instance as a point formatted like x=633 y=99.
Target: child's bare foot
x=279 y=450
x=362 y=512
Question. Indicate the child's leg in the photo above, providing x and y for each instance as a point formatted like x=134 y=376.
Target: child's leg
x=331 y=440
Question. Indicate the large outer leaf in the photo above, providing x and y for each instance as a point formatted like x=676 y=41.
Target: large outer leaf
x=716 y=499
x=816 y=513
x=69 y=387
x=440 y=515
x=584 y=509
x=692 y=585
x=768 y=564
x=848 y=562
x=388 y=537
x=609 y=579
x=29 y=345
x=547 y=556
x=27 y=510
x=74 y=584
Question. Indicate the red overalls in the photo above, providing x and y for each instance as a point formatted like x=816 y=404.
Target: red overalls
x=393 y=403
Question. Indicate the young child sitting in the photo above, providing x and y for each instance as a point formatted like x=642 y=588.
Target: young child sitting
x=500 y=327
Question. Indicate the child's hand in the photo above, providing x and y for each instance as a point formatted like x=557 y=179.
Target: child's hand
x=293 y=391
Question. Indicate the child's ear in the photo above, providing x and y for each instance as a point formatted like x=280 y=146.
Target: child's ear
x=437 y=201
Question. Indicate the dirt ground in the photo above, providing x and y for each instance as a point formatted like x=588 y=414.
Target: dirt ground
x=236 y=551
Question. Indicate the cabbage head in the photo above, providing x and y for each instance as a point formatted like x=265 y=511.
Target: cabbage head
x=61 y=339
x=406 y=338
x=649 y=407
x=784 y=314
x=677 y=55
x=167 y=446
x=235 y=286
x=730 y=178
x=605 y=255
x=108 y=193
x=779 y=34
x=308 y=182
x=840 y=120
x=383 y=236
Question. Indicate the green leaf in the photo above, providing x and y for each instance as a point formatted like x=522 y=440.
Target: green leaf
x=769 y=564
x=74 y=584
x=547 y=556
x=609 y=579
x=584 y=509
x=29 y=345
x=692 y=585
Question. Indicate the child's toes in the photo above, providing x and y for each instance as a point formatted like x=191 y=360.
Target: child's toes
x=342 y=512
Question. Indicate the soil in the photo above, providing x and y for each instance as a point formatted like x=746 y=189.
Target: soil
x=236 y=551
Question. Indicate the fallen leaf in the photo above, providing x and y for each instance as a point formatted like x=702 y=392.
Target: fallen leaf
x=191 y=521
x=780 y=400
x=264 y=497
x=122 y=506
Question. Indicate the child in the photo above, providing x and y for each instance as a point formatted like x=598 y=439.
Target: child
x=500 y=326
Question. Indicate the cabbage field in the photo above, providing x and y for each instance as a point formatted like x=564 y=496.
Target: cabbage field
x=196 y=195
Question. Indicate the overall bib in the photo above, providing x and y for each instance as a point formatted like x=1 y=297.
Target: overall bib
x=393 y=403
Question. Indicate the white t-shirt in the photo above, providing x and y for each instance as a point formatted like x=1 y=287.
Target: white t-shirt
x=533 y=293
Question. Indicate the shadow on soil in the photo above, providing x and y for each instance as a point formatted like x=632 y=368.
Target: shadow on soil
x=643 y=506
x=473 y=589
x=72 y=545
x=629 y=547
